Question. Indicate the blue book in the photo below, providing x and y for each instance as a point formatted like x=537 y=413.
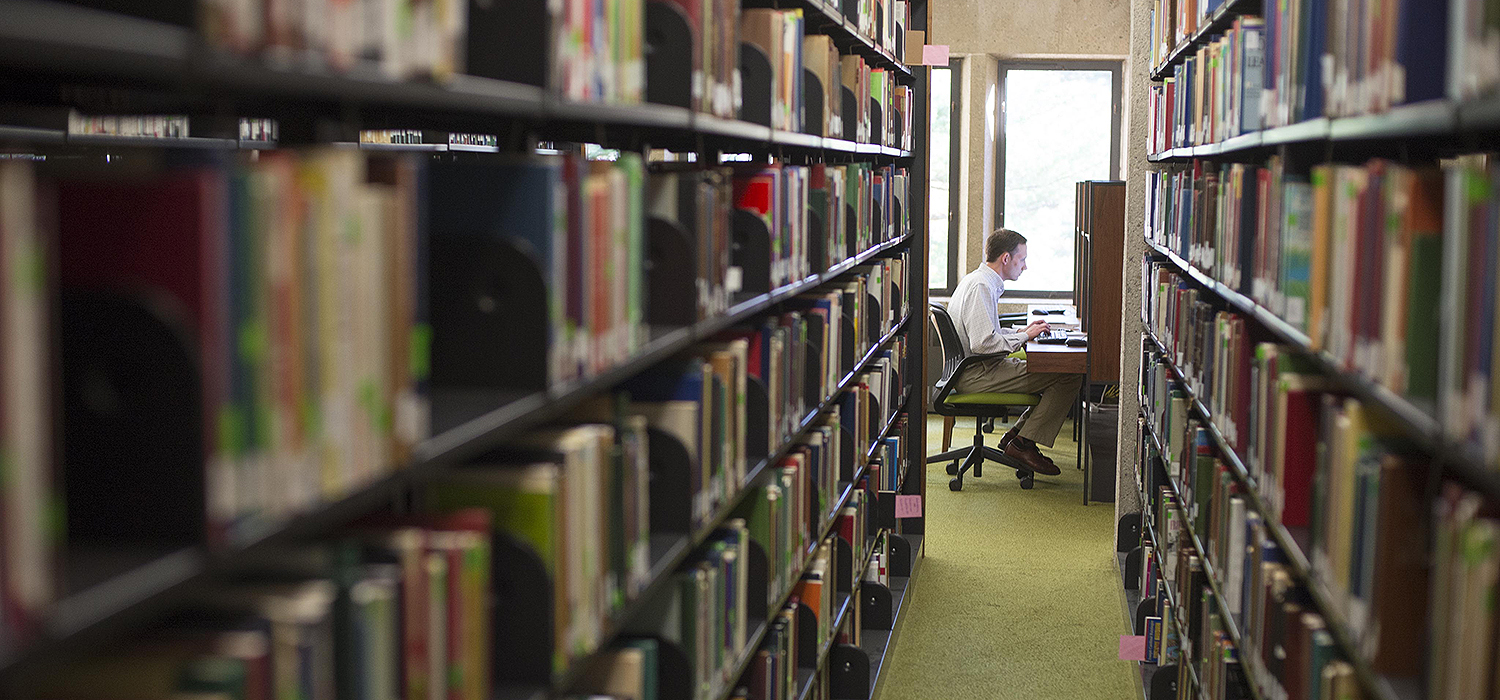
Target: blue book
x=514 y=201
x=1153 y=639
x=1315 y=24
x=1422 y=51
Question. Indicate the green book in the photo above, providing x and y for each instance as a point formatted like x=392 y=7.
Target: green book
x=1422 y=315
x=635 y=303
x=1203 y=481
x=687 y=595
x=1323 y=653
x=617 y=529
x=817 y=201
x=649 y=652
x=1296 y=252
x=762 y=520
x=524 y=501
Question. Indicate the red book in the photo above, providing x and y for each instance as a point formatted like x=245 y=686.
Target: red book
x=1243 y=361
x=598 y=270
x=1168 y=109
x=760 y=675
x=1300 y=448
x=164 y=238
x=1262 y=231
x=577 y=252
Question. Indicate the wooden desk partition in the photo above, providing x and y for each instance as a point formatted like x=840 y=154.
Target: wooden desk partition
x=1099 y=235
x=1043 y=357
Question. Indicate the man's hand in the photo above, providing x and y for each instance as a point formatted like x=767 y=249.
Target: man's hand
x=1036 y=328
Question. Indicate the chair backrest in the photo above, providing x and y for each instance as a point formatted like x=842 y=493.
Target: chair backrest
x=953 y=349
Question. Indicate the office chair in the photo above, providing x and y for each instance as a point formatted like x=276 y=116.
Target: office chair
x=983 y=407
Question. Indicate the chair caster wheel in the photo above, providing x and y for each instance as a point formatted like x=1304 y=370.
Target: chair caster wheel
x=979 y=469
x=953 y=468
x=1022 y=473
x=989 y=426
x=1028 y=481
x=955 y=484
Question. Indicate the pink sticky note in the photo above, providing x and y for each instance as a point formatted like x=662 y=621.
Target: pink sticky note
x=935 y=55
x=908 y=506
x=1132 y=647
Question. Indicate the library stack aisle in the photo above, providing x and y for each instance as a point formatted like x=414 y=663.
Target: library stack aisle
x=421 y=350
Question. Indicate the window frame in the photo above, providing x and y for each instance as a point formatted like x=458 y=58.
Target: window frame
x=1003 y=67
x=955 y=172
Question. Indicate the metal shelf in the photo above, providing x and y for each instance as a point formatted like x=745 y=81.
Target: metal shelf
x=1382 y=688
x=1419 y=422
x=1132 y=599
x=1209 y=573
x=53 y=38
x=121 y=603
x=1222 y=19
x=659 y=572
x=1418 y=119
x=753 y=643
x=1432 y=118
x=845 y=606
x=879 y=643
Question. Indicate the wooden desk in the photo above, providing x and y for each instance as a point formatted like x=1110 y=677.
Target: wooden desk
x=1043 y=357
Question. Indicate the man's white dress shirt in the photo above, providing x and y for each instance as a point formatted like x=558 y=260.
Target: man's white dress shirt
x=975 y=311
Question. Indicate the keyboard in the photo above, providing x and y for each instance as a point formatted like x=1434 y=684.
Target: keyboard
x=1074 y=340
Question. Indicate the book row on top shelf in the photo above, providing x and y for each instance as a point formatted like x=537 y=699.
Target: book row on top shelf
x=203 y=345
x=1312 y=59
x=1179 y=25
x=763 y=66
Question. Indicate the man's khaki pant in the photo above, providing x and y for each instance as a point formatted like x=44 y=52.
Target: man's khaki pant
x=1008 y=375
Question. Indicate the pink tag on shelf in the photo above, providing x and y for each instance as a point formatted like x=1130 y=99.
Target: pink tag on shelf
x=908 y=506
x=935 y=55
x=1132 y=647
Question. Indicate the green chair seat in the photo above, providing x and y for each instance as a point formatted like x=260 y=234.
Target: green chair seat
x=995 y=399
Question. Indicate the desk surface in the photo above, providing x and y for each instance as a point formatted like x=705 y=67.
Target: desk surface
x=1045 y=357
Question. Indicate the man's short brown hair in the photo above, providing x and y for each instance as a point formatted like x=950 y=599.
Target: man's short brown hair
x=1002 y=241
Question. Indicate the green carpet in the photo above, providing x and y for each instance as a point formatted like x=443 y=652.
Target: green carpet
x=1019 y=596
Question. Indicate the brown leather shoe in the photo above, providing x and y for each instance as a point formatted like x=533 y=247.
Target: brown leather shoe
x=1009 y=435
x=1033 y=459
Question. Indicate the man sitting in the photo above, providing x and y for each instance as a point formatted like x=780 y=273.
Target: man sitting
x=975 y=311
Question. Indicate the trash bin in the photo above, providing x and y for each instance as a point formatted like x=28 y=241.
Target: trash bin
x=1103 y=440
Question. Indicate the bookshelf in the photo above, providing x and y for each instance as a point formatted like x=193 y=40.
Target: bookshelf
x=1212 y=24
x=60 y=53
x=1294 y=544
x=1250 y=292
x=61 y=40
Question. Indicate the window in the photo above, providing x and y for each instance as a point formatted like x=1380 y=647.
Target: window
x=1059 y=125
x=942 y=259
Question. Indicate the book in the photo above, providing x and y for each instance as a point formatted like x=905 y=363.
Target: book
x=29 y=545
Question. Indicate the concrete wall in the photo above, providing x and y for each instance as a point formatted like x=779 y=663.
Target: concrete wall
x=1135 y=168
x=1022 y=27
x=986 y=31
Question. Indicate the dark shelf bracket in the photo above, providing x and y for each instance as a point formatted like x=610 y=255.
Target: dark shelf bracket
x=849 y=672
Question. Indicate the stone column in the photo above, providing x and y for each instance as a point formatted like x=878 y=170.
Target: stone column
x=1134 y=135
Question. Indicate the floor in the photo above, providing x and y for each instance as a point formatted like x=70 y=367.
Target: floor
x=1019 y=596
